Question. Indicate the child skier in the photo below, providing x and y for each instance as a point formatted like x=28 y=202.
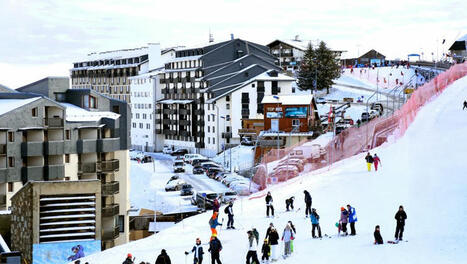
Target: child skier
x=378 y=238
x=198 y=252
x=266 y=250
x=344 y=220
x=315 y=223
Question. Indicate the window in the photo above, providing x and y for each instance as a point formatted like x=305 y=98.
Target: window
x=293 y=89
x=67 y=178
x=213 y=118
x=227 y=106
x=148 y=126
x=34 y=112
x=121 y=223
x=11 y=162
x=11 y=136
x=10 y=187
x=209 y=140
x=134 y=125
x=295 y=122
x=213 y=140
x=253 y=85
x=67 y=134
x=227 y=98
x=227 y=118
x=67 y=158
x=209 y=129
x=213 y=129
x=140 y=125
x=144 y=116
x=209 y=118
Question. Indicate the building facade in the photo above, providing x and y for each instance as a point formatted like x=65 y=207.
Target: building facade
x=50 y=132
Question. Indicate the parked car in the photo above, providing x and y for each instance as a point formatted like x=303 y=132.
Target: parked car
x=174 y=177
x=207 y=165
x=198 y=161
x=284 y=173
x=167 y=150
x=238 y=181
x=188 y=158
x=174 y=185
x=198 y=170
x=187 y=189
x=134 y=155
x=179 y=166
x=220 y=175
x=320 y=100
x=233 y=177
x=228 y=196
x=365 y=117
x=245 y=188
x=247 y=142
x=212 y=171
x=179 y=152
x=204 y=199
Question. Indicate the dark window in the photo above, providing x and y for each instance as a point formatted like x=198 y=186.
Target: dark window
x=121 y=223
x=10 y=187
x=11 y=162
x=67 y=178
x=116 y=109
x=245 y=98
x=67 y=134
x=274 y=88
x=227 y=98
x=11 y=136
x=253 y=85
x=67 y=158
x=34 y=112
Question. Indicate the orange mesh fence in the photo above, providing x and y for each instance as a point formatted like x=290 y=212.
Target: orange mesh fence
x=306 y=156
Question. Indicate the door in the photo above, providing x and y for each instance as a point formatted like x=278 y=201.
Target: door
x=275 y=124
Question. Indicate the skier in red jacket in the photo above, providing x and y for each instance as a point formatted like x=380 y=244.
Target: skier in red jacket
x=376 y=161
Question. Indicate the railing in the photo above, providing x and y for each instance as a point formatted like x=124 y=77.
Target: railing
x=110 y=210
x=185 y=111
x=109 y=165
x=270 y=142
x=247 y=131
x=30 y=148
x=245 y=112
x=32 y=173
x=111 y=234
x=54 y=147
x=185 y=133
x=226 y=134
x=184 y=122
x=54 y=172
x=108 y=144
x=87 y=167
x=86 y=145
x=110 y=188
x=53 y=122
x=199 y=112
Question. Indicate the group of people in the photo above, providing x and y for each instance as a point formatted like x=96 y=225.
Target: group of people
x=372 y=160
x=400 y=217
x=348 y=215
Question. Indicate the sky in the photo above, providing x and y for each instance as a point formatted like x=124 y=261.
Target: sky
x=43 y=37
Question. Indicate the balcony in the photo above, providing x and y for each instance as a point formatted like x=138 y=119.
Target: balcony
x=111 y=234
x=270 y=142
x=110 y=188
x=226 y=134
x=158 y=131
x=184 y=122
x=169 y=132
x=86 y=145
x=54 y=172
x=110 y=165
x=54 y=122
x=7 y=174
x=2 y=149
x=185 y=111
x=29 y=149
x=170 y=111
x=185 y=133
x=110 y=210
x=201 y=122
x=247 y=131
x=108 y=144
x=54 y=148
x=199 y=112
x=158 y=111
x=166 y=121
x=245 y=112
x=158 y=121
x=2 y=200
x=32 y=173
x=199 y=145
x=87 y=167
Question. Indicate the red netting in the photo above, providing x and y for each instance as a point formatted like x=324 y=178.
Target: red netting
x=354 y=140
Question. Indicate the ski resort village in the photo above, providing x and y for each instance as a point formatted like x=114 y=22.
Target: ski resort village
x=233 y=132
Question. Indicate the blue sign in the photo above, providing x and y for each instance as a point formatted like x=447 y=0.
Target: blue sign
x=63 y=252
x=296 y=112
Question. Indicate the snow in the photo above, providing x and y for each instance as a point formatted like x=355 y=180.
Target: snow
x=7 y=105
x=242 y=157
x=424 y=171
x=171 y=101
x=77 y=114
x=288 y=99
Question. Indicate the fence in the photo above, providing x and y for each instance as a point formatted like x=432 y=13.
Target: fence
x=353 y=140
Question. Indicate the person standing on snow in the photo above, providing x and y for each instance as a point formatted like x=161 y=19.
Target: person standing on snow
x=216 y=205
x=344 y=219
x=163 y=258
x=369 y=160
x=269 y=204
x=315 y=223
x=198 y=252
x=400 y=218
x=465 y=105
x=352 y=219
x=229 y=211
x=215 y=248
x=274 y=242
x=307 y=203
x=378 y=237
x=213 y=223
x=268 y=231
x=129 y=259
x=252 y=247
x=376 y=161
x=287 y=236
x=266 y=250
x=289 y=203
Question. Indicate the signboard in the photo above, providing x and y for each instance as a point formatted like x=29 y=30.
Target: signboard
x=296 y=112
x=274 y=114
x=63 y=252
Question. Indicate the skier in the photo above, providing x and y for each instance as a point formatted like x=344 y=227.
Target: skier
x=292 y=227
x=266 y=250
x=378 y=238
x=198 y=252
x=294 y=232
x=352 y=219
x=308 y=202
x=229 y=211
x=289 y=203
x=215 y=248
x=252 y=247
x=287 y=236
x=359 y=123
x=215 y=205
x=465 y=105
x=163 y=258
x=129 y=259
x=376 y=161
x=400 y=218
x=213 y=223
x=369 y=160
x=269 y=204
x=268 y=231
x=274 y=241
x=315 y=223
x=344 y=220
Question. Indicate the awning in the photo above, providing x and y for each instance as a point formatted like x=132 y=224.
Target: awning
x=170 y=101
x=91 y=126
x=31 y=128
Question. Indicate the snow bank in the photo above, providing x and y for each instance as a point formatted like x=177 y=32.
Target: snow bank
x=242 y=157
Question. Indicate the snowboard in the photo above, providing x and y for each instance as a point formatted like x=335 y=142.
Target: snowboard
x=396 y=241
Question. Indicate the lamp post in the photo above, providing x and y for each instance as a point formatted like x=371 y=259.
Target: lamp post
x=225 y=136
x=217 y=133
x=277 y=98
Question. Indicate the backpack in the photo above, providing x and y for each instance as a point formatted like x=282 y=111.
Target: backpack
x=226 y=210
x=256 y=234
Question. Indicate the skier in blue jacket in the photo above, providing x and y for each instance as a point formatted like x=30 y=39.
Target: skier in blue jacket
x=315 y=223
x=352 y=219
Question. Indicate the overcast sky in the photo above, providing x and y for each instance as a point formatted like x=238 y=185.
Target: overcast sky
x=43 y=37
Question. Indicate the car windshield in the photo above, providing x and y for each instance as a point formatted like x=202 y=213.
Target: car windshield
x=211 y=196
x=230 y=193
x=178 y=163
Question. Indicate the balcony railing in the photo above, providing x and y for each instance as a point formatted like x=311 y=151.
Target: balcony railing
x=158 y=121
x=185 y=111
x=32 y=173
x=54 y=147
x=247 y=131
x=245 y=112
x=158 y=131
x=270 y=142
x=110 y=210
x=30 y=148
x=87 y=167
x=86 y=145
x=108 y=144
x=199 y=112
x=54 y=172
x=110 y=188
x=170 y=111
x=185 y=133
x=184 y=122
x=53 y=122
x=111 y=234
x=109 y=165
x=226 y=134
x=199 y=145
x=2 y=200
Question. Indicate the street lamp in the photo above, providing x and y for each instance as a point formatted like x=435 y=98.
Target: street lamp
x=225 y=135
x=277 y=98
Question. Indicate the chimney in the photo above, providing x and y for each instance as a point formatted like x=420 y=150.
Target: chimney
x=231 y=36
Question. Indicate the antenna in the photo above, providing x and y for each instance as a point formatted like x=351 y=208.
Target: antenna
x=211 y=38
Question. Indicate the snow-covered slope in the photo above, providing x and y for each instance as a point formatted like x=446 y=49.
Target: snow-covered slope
x=425 y=171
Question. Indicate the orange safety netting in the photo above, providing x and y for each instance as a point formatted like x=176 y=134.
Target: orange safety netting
x=353 y=140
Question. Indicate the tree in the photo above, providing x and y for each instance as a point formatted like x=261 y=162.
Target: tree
x=318 y=69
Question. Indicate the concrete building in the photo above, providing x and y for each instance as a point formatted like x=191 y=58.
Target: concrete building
x=50 y=132
x=458 y=49
x=56 y=212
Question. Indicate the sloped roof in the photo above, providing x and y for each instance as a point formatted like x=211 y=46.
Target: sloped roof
x=8 y=105
x=459 y=44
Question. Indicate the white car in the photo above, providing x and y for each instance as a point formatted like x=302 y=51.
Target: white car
x=245 y=189
x=167 y=150
x=228 y=196
x=174 y=185
x=134 y=155
x=227 y=180
x=188 y=158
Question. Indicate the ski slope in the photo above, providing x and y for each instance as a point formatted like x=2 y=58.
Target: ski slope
x=425 y=171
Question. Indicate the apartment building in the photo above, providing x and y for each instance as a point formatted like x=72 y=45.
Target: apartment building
x=49 y=132
x=208 y=88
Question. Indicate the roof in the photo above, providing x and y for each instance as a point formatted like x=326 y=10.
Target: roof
x=5 y=89
x=75 y=113
x=288 y=99
x=170 y=101
x=459 y=44
x=7 y=105
x=298 y=44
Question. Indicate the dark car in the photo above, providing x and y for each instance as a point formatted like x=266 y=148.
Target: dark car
x=187 y=189
x=204 y=199
x=208 y=165
x=212 y=171
x=179 y=152
x=247 y=142
x=198 y=170
x=365 y=116
x=197 y=162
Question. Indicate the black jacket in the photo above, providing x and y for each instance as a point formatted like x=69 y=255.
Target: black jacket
x=307 y=197
x=163 y=259
x=268 y=198
x=378 y=238
x=128 y=261
x=268 y=231
x=266 y=249
x=274 y=238
x=215 y=246
x=400 y=217
x=369 y=159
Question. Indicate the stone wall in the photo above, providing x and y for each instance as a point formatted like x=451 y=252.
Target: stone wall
x=21 y=223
